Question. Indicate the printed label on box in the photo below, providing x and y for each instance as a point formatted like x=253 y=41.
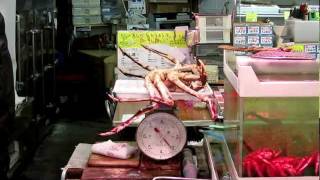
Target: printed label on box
x=253 y=29
x=239 y=30
x=266 y=30
x=266 y=40
x=310 y=48
x=253 y=40
x=239 y=40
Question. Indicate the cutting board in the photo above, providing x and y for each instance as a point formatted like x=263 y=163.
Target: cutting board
x=93 y=173
x=173 y=164
x=114 y=174
x=96 y=160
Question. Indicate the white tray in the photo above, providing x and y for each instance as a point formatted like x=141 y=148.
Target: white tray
x=136 y=89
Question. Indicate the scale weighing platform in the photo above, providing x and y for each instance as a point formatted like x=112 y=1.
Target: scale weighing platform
x=188 y=109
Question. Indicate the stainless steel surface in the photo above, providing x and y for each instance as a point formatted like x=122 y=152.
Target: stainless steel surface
x=209 y=155
x=19 y=81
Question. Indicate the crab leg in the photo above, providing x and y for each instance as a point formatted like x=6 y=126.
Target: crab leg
x=167 y=56
x=126 y=73
x=209 y=101
x=127 y=123
x=165 y=94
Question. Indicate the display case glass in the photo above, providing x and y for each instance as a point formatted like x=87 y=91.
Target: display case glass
x=275 y=105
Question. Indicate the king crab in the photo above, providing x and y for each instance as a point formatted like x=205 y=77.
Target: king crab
x=268 y=162
x=160 y=83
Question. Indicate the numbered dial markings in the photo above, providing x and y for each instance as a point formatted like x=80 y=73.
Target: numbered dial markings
x=161 y=136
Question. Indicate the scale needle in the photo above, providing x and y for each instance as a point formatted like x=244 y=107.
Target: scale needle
x=158 y=131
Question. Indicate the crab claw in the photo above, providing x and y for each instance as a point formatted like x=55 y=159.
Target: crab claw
x=128 y=122
x=316 y=160
x=202 y=71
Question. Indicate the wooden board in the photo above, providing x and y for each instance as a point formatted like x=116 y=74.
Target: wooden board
x=114 y=173
x=97 y=160
x=124 y=174
x=170 y=164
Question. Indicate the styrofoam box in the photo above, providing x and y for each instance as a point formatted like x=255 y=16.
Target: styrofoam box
x=213 y=22
x=86 y=11
x=214 y=36
x=304 y=31
x=80 y=20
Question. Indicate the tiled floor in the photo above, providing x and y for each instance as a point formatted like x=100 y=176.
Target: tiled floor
x=55 y=151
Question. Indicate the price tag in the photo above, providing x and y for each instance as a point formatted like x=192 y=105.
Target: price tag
x=253 y=40
x=286 y=15
x=266 y=40
x=251 y=17
x=253 y=29
x=134 y=39
x=239 y=30
x=298 y=48
x=239 y=40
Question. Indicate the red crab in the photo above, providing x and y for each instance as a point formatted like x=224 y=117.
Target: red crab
x=160 y=83
x=267 y=162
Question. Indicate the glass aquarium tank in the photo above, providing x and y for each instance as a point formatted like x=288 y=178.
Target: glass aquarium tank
x=275 y=106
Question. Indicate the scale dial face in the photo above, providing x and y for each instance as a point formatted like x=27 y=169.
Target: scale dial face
x=161 y=136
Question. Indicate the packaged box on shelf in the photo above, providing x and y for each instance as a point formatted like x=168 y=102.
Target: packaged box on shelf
x=86 y=20
x=86 y=11
x=85 y=3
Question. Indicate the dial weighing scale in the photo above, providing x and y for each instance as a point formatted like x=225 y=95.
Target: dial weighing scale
x=160 y=135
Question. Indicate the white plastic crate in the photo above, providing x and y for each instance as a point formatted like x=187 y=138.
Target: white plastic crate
x=213 y=22
x=86 y=20
x=86 y=11
x=214 y=36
